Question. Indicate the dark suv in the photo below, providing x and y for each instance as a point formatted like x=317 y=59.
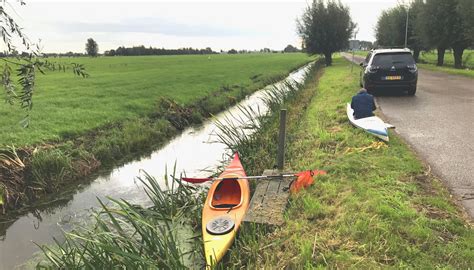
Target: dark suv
x=389 y=69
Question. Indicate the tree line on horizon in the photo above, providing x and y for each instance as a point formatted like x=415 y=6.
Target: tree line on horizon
x=142 y=50
x=91 y=50
x=432 y=24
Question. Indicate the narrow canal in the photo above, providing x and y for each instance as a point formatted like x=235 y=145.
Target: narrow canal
x=192 y=151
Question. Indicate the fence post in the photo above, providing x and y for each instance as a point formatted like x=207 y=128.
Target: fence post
x=281 y=140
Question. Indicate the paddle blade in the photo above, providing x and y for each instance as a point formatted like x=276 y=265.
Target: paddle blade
x=318 y=172
x=196 y=180
x=304 y=180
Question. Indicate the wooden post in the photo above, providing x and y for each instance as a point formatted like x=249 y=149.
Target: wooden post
x=281 y=140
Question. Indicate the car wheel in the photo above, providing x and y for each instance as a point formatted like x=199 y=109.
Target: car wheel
x=412 y=91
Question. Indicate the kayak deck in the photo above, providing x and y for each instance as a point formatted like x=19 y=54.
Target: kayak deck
x=373 y=125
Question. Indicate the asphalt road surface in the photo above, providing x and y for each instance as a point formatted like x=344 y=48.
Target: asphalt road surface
x=438 y=122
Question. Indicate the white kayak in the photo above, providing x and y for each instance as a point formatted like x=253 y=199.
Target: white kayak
x=373 y=125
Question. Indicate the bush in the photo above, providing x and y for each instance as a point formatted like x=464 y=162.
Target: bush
x=49 y=168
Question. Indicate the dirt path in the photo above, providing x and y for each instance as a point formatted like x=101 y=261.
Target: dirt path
x=439 y=124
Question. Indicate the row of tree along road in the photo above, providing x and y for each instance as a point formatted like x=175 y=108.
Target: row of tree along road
x=326 y=26
x=429 y=24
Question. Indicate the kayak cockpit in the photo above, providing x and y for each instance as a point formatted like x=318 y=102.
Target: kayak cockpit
x=227 y=194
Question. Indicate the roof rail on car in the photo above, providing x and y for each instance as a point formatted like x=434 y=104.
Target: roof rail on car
x=390 y=47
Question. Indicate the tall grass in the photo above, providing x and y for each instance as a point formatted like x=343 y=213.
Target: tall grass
x=274 y=98
x=258 y=149
x=129 y=236
x=49 y=168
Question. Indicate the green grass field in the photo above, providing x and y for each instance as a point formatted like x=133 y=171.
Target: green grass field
x=122 y=88
x=432 y=56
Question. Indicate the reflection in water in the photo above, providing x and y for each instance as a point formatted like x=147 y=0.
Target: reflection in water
x=192 y=151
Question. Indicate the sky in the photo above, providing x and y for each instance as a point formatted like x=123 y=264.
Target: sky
x=65 y=25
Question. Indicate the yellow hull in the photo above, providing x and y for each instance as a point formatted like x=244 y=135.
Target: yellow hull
x=227 y=199
x=216 y=246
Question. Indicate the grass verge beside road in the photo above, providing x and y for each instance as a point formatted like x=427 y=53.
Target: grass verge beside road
x=431 y=57
x=377 y=207
x=359 y=53
x=450 y=70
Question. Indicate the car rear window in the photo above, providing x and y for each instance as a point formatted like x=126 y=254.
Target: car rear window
x=393 y=59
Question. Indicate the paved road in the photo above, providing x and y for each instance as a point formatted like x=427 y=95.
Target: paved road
x=439 y=124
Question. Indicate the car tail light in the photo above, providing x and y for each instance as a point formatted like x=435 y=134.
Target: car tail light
x=412 y=68
x=373 y=69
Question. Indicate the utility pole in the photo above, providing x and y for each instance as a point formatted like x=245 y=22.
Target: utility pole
x=406 y=26
x=355 y=36
x=406 y=4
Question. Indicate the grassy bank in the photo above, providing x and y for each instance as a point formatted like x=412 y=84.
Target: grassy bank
x=33 y=171
x=376 y=208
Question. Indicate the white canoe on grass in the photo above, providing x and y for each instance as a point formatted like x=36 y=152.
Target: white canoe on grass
x=372 y=125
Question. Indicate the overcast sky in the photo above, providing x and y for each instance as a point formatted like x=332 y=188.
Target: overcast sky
x=65 y=25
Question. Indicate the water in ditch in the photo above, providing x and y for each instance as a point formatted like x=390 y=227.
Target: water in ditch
x=192 y=151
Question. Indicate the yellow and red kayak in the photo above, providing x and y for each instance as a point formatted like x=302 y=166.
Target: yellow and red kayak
x=225 y=207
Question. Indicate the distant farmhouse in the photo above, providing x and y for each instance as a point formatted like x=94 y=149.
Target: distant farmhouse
x=355 y=44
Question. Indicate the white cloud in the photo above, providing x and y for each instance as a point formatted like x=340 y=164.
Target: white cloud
x=65 y=25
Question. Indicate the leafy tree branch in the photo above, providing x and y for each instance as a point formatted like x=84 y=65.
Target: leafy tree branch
x=25 y=65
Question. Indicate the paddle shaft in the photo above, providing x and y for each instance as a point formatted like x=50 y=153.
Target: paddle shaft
x=236 y=178
x=254 y=177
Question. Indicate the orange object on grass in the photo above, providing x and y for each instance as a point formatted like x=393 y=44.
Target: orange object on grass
x=304 y=180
